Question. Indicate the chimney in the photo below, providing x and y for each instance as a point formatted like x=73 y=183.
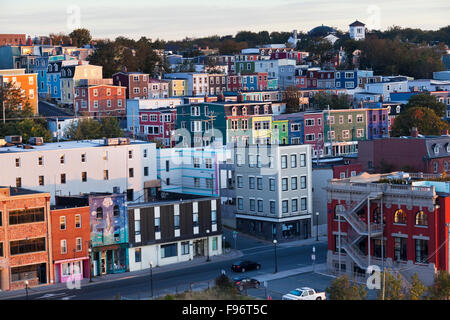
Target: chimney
x=414 y=132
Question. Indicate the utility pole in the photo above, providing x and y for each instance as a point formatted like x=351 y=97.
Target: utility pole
x=4 y=111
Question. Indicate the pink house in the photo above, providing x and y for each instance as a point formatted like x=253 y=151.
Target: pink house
x=313 y=131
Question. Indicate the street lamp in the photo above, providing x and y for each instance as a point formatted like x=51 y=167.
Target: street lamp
x=223 y=243
x=151 y=277
x=207 y=246
x=26 y=288
x=276 y=262
x=317 y=226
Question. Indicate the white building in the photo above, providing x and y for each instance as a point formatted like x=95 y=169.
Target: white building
x=357 y=31
x=272 y=67
x=388 y=86
x=78 y=167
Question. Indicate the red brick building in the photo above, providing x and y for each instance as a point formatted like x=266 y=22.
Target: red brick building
x=25 y=239
x=71 y=241
x=136 y=84
x=428 y=154
x=158 y=124
x=415 y=215
x=100 y=100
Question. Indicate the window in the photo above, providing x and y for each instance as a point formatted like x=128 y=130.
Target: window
x=309 y=122
x=214 y=244
x=185 y=248
x=62 y=223
x=27 y=246
x=63 y=178
x=41 y=180
x=18 y=182
x=130 y=154
x=350 y=118
x=26 y=216
x=310 y=137
x=294 y=205
x=283 y=162
x=17 y=162
x=99 y=213
x=421 y=251
x=137 y=255
x=259 y=183
x=176 y=222
x=1 y=249
x=302 y=160
x=63 y=246
x=169 y=250
x=78 y=221
x=116 y=211
x=83 y=157
x=79 y=244
x=345 y=134
x=240 y=182
x=293 y=161
x=157 y=225
x=252 y=204
x=303 y=204
x=251 y=182
x=131 y=172
x=294 y=183
x=284 y=184
x=240 y=203
x=421 y=219
x=285 y=206
x=84 y=176
x=145 y=171
x=303 y=182
x=195 y=219
x=272 y=207
x=400 y=217
x=260 y=205
x=272 y=184
x=400 y=249
x=61 y=159
x=41 y=160
x=197 y=182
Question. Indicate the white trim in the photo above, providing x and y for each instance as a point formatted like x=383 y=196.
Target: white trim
x=299 y=217
x=421 y=237
x=400 y=235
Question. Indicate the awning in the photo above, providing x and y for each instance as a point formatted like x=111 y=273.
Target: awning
x=71 y=260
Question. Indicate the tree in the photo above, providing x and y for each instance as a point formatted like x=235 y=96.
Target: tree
x=80 y=37
x=60 y=38
x=424 y=119
x=84 y=129
x=342 y=288
x=292 y=100
x=322 y=100
x=427 y=101
x=392 y=287
x=440 y=290
x=109 y=128
x=224 y=283
x=418 y=289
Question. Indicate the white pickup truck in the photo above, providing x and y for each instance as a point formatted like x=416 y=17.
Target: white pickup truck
x=304 y=294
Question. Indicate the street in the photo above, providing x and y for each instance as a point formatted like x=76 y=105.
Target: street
x=289 y=256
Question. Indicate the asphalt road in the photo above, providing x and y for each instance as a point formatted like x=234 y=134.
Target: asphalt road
x=288 y=257
x=48 y=110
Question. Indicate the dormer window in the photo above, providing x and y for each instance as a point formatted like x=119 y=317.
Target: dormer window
x=50 y=68
x=398 y=109
x=256 y=110
x=244 y=111
x=64 y=73
x=436 y=149
x=234 y=111
x=69 y=73
x=448 y=147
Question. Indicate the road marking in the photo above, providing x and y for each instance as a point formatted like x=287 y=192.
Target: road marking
x=51 y=295
x=68 y=298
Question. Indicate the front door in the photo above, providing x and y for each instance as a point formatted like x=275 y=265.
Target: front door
x=103 y=263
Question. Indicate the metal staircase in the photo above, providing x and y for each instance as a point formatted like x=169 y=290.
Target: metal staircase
x=361 y=230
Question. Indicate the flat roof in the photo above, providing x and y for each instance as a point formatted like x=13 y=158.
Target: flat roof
x=14 y=191
x=66 y=145
x=169 y=202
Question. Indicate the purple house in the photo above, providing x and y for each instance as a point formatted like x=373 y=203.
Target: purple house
x=377 y=123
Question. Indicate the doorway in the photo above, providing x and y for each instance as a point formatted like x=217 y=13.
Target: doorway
x=199 y=248
x=42 y=273
x=103 y=263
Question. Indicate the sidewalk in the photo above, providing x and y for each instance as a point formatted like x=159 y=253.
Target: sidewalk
x=232 y=255
x=288 y=273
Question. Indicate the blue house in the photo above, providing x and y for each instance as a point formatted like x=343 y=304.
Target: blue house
x=346 y=79
x=53 y=79
x=250 y=82
x=296 y=129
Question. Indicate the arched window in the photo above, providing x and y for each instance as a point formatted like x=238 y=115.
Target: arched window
x=116 y=211
x=99 y=213
x=50 y=68
x=339 y=209
x=234 y=111
x=421 y=219
x=69 y=73
x=400 y=217
x=63 y=73
x=244 y=111
x=256 y=110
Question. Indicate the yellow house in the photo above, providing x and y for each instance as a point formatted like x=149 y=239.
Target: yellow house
x=177 y=87
x=71 y=76
x=262 y=129
x=26 y=82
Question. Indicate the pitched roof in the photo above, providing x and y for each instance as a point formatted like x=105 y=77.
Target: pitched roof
x=357 y=24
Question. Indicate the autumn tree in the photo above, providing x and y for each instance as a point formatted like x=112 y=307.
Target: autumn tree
x=424 y=119
x=80 y=37
x=418 y=289
x=427 y=101
x=342 y=288
x=391 y=287
x=440 y=290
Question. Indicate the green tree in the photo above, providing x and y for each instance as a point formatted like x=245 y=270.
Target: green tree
x=424 y=119
x=292 y=100
x=440 y=290
x=223 y=283
x=84 y=129
x=342 y=288
x=418 y=289
x=80 y=37
x=427 y=101
x=110 y=128
x=391 y=286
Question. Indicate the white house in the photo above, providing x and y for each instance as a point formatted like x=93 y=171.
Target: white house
x=389 y=85
x=357 y=31
x=76 y=167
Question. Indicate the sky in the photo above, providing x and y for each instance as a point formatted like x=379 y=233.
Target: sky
x=177 y=19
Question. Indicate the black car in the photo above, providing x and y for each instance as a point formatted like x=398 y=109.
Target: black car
x=242 y=266
x=245 y=283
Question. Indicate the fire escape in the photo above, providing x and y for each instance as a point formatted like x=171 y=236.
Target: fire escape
x=360 y=230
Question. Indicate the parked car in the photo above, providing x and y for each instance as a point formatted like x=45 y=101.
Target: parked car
x=304 y=294
x=245 y=283
x=242 y=266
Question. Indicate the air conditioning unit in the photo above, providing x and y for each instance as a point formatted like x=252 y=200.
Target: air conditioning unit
x=36 y=141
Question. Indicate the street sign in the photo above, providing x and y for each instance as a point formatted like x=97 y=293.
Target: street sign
x=235 y=234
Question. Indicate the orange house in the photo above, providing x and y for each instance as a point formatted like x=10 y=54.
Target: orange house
x=25 y=240
x=27 y=82
x=71 y=241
